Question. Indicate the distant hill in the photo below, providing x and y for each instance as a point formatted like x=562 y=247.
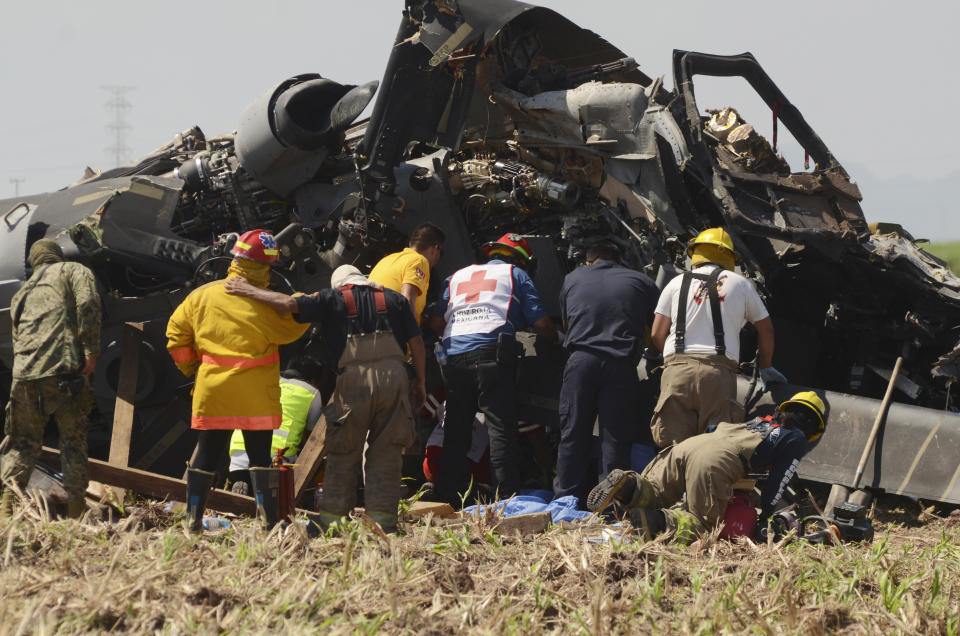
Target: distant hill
x=949 y=252
x=927 y=208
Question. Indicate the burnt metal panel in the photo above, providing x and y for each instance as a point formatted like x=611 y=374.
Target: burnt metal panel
x=426 y=97
x=686 y=64
x=431 y=202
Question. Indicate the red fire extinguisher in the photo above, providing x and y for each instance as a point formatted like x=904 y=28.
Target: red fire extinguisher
x=285 y=497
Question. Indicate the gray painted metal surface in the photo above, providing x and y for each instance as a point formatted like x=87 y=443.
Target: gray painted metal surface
x=271 y=162
x=917 y=451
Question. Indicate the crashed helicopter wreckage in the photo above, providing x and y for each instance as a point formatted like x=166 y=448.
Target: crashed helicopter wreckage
x=497 y=116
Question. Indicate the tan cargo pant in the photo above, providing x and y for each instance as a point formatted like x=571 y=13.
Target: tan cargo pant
x=695 y=392
x=705 y=467
x=371 y=405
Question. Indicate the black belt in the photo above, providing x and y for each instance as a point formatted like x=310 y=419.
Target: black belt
x=477 y=355
x=606 y=355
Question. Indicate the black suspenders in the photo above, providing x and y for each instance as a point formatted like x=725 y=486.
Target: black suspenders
x=711 y=283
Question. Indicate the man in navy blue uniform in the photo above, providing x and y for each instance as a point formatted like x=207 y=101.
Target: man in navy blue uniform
x=482 y=308
x=606 y=310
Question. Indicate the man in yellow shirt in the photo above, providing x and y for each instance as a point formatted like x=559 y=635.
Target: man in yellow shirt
x=408 y=272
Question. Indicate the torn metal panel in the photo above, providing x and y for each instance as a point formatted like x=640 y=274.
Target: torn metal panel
x=603 y=118
x=637 y=206
x=135 y=227
x=897 y=251
x=948 y=365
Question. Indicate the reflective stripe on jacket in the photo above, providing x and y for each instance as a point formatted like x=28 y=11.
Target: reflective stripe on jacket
x=231 y=344
x=296 y=398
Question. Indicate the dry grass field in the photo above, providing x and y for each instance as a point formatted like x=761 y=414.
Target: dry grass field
x=144 y=574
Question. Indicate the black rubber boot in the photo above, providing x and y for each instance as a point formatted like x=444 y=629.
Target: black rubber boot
x=198 y=489
x=320 y=522
x=618 y=486
x=623 y=487
x=265 y=483
x=386 y=521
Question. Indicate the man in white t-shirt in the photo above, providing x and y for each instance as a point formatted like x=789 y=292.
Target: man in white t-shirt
x=697 y=326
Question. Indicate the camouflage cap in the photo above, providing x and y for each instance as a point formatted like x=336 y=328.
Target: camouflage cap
x=44 y=252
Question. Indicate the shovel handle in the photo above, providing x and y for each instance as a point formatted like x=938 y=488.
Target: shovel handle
x=881 y=416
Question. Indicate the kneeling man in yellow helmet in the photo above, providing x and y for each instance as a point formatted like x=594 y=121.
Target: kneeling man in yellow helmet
x=706 y=467
x=697 y=326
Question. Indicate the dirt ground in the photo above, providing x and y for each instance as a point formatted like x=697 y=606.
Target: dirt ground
x=144 y=574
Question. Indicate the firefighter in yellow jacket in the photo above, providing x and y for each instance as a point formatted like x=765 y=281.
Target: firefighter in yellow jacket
x=230 y=343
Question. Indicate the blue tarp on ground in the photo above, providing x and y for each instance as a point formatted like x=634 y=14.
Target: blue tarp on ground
x=562 y=509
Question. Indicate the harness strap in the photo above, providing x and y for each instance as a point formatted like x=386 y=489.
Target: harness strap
x=380 y=301
x=710 y=280
x=348 y=298
x=353 y=317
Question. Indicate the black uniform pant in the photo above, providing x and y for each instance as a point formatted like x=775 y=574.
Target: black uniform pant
x=595 y=387
x=212 y=447
x=475 y=381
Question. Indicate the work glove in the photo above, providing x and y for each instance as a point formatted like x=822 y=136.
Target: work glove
x=770 y=375
x=653 y=361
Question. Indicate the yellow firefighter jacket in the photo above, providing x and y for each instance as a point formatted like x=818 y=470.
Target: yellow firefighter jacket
x=231 y=344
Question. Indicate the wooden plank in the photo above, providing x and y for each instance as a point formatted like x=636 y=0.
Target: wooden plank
x=533 y=523
x=123 y=409
x=745 y=484
x=438 y=509
x=154 y=485
x=97 y=490
x=310 y=458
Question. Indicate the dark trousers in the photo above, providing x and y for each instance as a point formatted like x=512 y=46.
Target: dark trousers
x=595 y=386
x=212 y=447
x=474 y=382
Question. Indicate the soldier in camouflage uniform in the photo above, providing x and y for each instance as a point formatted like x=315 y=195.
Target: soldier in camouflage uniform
x=56 y=337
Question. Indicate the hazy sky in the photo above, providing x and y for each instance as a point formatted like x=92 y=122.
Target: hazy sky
x=874 y=79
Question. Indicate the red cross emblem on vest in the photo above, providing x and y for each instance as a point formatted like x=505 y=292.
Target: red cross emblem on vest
x=477 y=283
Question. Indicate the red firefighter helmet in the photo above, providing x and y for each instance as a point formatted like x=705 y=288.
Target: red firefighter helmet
x=257 y=245
x=740 y=519
x=509 y=243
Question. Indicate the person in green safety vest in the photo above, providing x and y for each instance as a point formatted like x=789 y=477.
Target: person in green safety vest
x=301 y=407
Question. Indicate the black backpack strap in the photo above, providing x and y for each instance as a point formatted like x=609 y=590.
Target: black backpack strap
x=714 y=297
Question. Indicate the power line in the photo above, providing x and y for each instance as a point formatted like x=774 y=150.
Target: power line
x=118 y=106
x=16 y=185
